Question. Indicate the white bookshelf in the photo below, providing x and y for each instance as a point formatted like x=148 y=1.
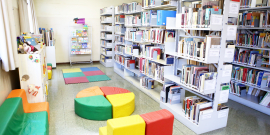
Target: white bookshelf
x=218 y=119
x=246 y=99
x=107 y=60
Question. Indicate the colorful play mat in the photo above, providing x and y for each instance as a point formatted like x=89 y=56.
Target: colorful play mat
x=84 y=75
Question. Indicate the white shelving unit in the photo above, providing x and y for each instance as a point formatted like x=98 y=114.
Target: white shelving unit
x=80 y=52
x=107 y=60
x=218 y=119
x=251 y=100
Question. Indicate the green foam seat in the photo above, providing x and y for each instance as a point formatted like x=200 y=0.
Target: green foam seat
x=49 y=64
x=13 y=120
x=93 y=108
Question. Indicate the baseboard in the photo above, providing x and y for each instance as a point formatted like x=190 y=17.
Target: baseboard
x=61 y=63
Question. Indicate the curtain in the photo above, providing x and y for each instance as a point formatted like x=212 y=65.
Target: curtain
x=33 y=18
x=8 y=44
x=23 y=13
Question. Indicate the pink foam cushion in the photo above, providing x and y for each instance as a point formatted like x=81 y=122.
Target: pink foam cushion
x=93 y=73
x=76 y=80
x=113 y=90
x=49 y=68
x=158 y=122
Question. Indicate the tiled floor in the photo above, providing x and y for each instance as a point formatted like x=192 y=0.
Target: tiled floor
x=63 y=120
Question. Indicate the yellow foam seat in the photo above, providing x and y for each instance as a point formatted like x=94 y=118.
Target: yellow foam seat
x=103 y=131
x=130 y=125
x=49 y=74
x=122 y=104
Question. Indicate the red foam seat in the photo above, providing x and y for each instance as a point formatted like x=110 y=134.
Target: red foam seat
x=158 y=122
x=113 y=90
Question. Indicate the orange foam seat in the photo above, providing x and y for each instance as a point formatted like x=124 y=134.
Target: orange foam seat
x=92 y=91
x=158 y=122
x=30 y=107
x=113 y=90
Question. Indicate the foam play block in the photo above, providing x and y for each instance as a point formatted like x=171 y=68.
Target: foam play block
x=72 y=70
x=93 y=108
x=73 y=80
x=97 y=78
x=30 y=107
x=103 y=130
x=131 y=125
x=158 y=122
x=49 y=68
x=74 y=74
x=93 y=73
x=113 y=90
x=92 y=91
x=90 y=69
x=122 y=104
x=49 y=74
x=49 y=64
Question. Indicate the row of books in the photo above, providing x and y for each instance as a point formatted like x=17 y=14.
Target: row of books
x=105 y=58
x=80 y=51
x=106 y=19
x=105 y=42
x=106 y=51
x=158 y=36
x=201 y=78
x=133 y=7
x=253 y=3
x=248 y=57
x=79 y=39
x=152 y=69
x=242 y=90
x=119 y=39
x=156 y=17
x=133 y=20
x=106 y=10
x=171 y=93
x=195 y=107
x=258 y=39
x=147 y=82
x=120 y=48
x=253 y=77
x=253 y=19
x=129 y=63
x=120 y=59
x=120 y=28
x=153 y=3
x=106 y=27
x=106 y=36
x=119 y=18
x=199 y=15
x=78 y=33
x=79 y=46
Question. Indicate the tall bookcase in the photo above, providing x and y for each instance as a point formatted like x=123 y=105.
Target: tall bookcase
x=248 y=97
x=208 y=122
x=107 y=36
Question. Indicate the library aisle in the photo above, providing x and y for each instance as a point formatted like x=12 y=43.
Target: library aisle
x=64 y=121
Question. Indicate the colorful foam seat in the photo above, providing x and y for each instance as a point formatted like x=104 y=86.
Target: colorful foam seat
x=103 y=131
x=49 y=74
x=158 y=122
x=131 y=125
x=13 y=120
x=122 y=104
x=30 y=107
x=113 y=90
x=92 y=91
x=49 y=64
x=93 y=107
x=49 y=67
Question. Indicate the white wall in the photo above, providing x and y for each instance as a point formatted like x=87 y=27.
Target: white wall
x=59 y=14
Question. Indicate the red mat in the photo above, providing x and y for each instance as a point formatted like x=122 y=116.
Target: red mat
x=76 y=80
x=93 y=73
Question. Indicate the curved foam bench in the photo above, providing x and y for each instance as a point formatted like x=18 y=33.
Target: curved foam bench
x=49 y=74
x=93 y=108
x=103 y=131
x=122 y=104
x=113 y=90
x=30 y=107
x=92 y=91
x=91 y=104
x=14 y=121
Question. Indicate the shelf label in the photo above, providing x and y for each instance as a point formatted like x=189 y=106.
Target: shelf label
x=206 y=116
x=229 y=53
x=216 y=19
x=234 y=7
x=213 y=52
x=108 y=60
x=222 y=113
x=224 y=95
x=231 y=31
x=226 y=73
